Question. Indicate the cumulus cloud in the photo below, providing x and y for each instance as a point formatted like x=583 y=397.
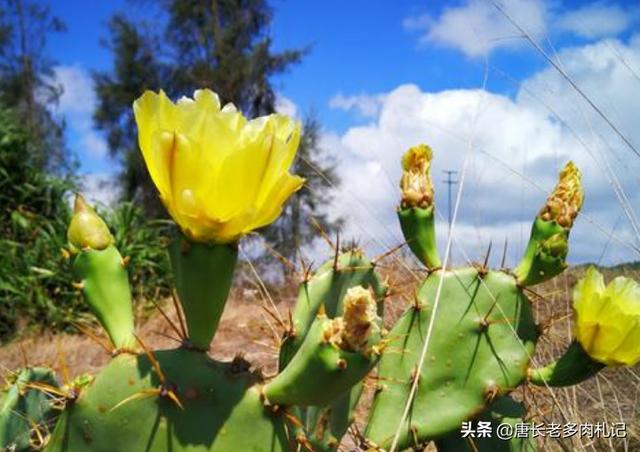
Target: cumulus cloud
x=477 y=27
x=596 y=20
x=286 y=106
x=517 y=147
x=76 y=104
x=366 y=105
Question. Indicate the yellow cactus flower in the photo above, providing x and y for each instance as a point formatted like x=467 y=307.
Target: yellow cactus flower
x=607 y=319
x=219 y=175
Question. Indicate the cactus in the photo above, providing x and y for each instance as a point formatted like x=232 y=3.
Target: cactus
x=27 y=413
x=453 y=357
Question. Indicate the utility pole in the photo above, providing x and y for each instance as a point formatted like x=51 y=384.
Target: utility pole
x=450 y=182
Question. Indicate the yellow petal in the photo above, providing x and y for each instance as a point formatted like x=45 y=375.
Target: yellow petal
x=286 y=186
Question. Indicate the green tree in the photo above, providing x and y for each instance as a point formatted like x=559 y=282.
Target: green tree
x=27 y=82
x=136 y=68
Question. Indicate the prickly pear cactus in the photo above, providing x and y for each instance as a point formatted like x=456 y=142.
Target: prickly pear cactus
x=27 y=413
x=453 y=357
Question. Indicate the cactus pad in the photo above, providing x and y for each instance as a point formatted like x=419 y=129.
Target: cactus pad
x=480 y=347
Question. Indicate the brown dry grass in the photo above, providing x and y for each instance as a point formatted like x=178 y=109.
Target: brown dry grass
x=613 y=396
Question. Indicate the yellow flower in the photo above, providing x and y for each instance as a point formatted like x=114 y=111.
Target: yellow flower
x=564 y=203
x=416 y=185
x=219 y=175
x=607 y=319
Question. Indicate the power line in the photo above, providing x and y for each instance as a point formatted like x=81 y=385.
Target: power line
x=450 y=182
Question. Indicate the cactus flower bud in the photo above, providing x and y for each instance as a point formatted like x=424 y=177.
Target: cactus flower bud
x=87 y=229
x=564 y=203
x=416 y=185
x=607 y=319
x=219 y=175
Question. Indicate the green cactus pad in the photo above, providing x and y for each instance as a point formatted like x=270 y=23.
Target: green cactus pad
x=223 y=410
x=473 y=356
x=24 y=410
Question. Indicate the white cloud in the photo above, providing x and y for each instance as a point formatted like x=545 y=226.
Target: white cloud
x=286 y=106
x=515 y=141
x=366 y=105
x=100 y=188
x=596 y=20
x=76 y=104
x=477 y=27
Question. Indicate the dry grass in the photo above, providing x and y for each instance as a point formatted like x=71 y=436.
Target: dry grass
x=613 y=396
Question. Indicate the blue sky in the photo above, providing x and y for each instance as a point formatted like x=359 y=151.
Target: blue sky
x=384 y=74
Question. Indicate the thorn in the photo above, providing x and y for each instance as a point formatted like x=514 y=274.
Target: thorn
x=176 y=305
x=107 y=346
x=169 y=321
x=321 y=310
x=321 y=231
x=342 y=364
x=66 y=255
x=144 y=394
x=125 y=261
x=337 y=252
x=277 y=319
x=486 y=257
x=152 y=359
x=168 y=336
x=306 y=270
x=174 y=398
x=271 y=250
x=386 y=254
x=63 y=363
x=504 y=252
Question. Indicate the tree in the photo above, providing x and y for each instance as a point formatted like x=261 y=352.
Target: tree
x=136 y=69
x=224 y=45
x=27 y=82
